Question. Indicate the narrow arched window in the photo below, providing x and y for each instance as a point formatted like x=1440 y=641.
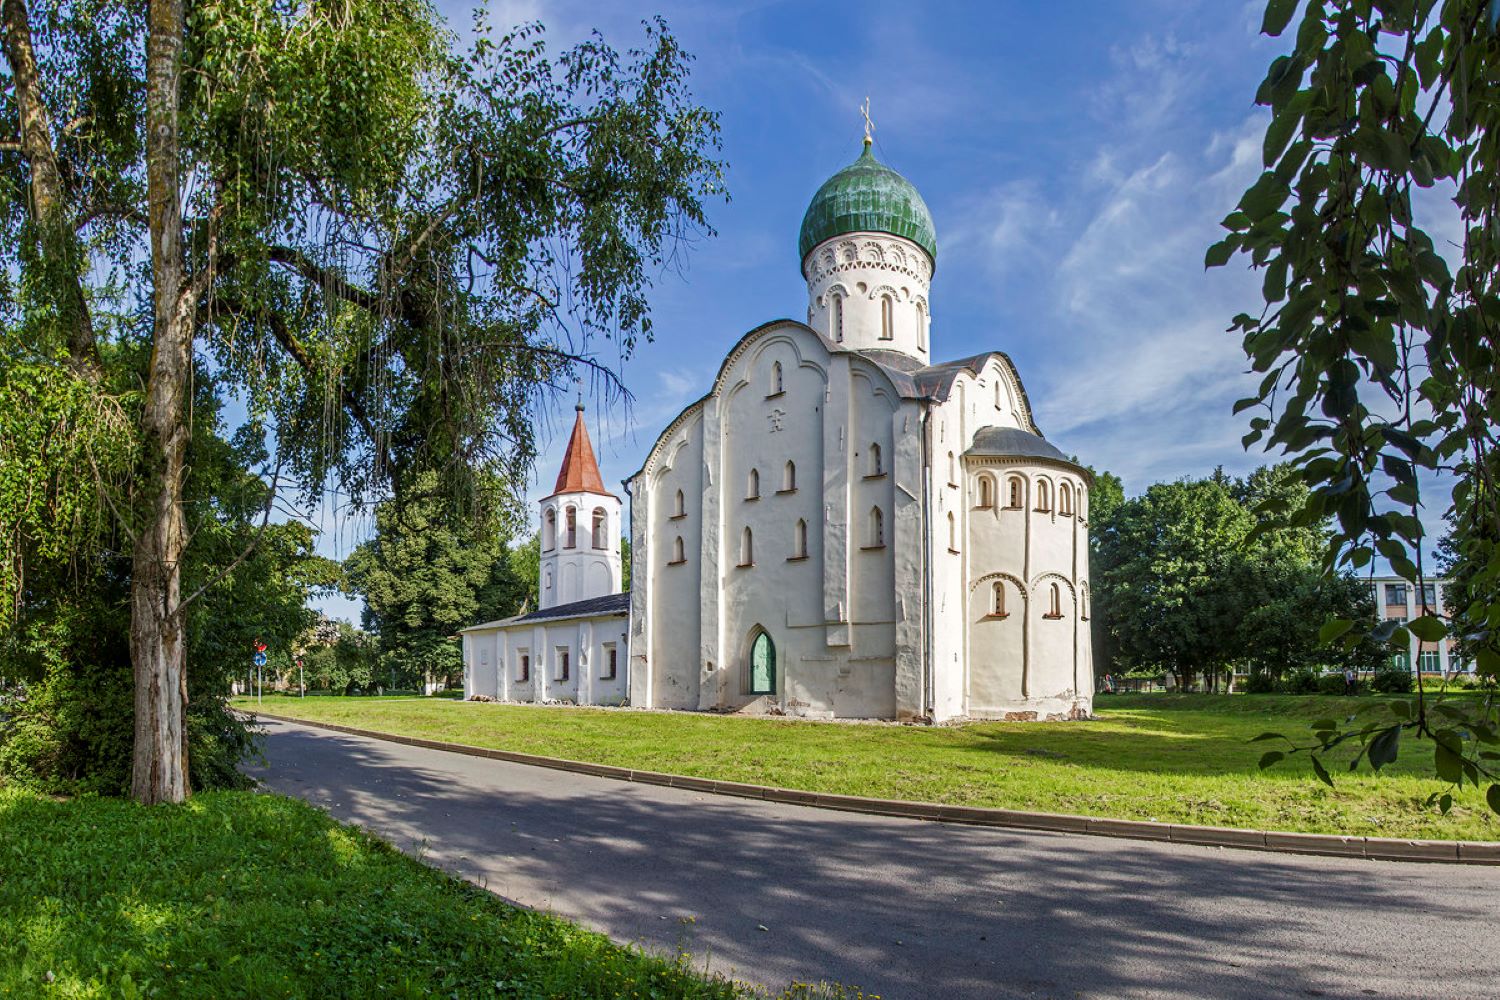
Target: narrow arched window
x=799 y=540
x=789 y=477
x=1065 y=499
x=986 y=492
x=572 y=527
x=997 y=606
x=952 y=470
x=777 y=384
x=999 y=398
x=877 y=528
x=549 y=530
x=1017 y=493
x=678 y=553
x=877 y=465
x=952 y=533
x=601 y=525
x=1043 y=495
x=887 y=318
x=747 y=547
x=1083 y=605
x=680 y=508
x=1055 y=600
x=838 y=318
x=753 y=491
x=547 y=579
x=922 y=326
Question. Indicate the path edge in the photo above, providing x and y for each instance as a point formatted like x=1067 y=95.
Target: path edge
x=1471 y=852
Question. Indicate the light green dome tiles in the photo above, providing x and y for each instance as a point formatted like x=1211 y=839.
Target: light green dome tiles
x=867 y=197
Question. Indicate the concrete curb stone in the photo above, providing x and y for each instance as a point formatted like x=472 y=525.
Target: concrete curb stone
x=1334 y=845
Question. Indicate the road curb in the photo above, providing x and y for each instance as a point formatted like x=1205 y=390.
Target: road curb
x=1462 y=852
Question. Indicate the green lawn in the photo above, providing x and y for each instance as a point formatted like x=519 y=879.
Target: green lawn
x=243 y=895
x=1176 y=758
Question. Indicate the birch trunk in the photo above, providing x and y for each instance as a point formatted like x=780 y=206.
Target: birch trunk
x=157 y=636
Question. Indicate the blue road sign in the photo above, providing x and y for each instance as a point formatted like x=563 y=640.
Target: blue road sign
x=260 y=659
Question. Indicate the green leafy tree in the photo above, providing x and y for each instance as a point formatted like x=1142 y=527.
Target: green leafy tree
x=391 y=247
x=1166 y=575
x=423 y=577
x=1105 y=497
x=336 y=656
x=1374 y=342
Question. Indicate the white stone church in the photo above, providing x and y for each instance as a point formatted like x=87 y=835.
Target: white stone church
x=840 y=528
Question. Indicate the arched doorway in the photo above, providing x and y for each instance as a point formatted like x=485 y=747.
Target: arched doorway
x=762 y=665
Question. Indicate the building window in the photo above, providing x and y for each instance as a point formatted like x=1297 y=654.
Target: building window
x=549 y=530
x=1083 y=604
x=611 y=662
x=1429 y=596
x=762 y=665
x=747 y=547
x=838 y=318
x=678 y=555
x=1401 y=661
x=986 y=492
x=601 y=521
x=922 y=326
x=997 y=600
x=523 y=666
x=1430 y=661
x=547 y=580
x=799 y=540
x=572 y=529
x=679 y=508
x=952 y=470
x=877 y=462
x=1017 y=493
x=1395 y=593
x=877 y=528
x=999 y=395
x=564 y=663
x=952 y=533
x=752 y=491
x=1054 y=602
x=789 y=478
x=778 y=383
x=1043 y=495
x=1065 y=499
x=887 y=318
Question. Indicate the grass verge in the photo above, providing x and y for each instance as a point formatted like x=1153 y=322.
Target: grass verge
x=237 y=894
x=1174 y=758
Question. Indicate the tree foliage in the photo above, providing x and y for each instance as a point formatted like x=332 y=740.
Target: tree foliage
x=391 y=248
x=1198 y=577
x=1376 y=341
x=424 y=576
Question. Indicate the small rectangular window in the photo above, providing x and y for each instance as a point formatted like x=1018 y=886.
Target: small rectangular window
x=611 y=662
x=523 y=666
x=563 y=664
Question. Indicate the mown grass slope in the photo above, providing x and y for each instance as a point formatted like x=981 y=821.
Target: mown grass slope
x=1176 y=758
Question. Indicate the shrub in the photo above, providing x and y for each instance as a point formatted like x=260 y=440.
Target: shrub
x=1303 y=680
x=1392 y=681
x=1331 y=683
x=1260 y=682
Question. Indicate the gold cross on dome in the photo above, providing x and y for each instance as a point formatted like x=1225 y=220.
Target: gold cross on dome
x=864 y=109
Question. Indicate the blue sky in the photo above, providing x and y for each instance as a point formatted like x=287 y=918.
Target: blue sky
x=1076 y=157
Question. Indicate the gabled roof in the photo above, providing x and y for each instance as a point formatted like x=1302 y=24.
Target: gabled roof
x=595 y=607
x=579 y=472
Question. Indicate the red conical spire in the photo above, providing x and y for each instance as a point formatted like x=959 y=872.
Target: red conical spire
x=579 y=473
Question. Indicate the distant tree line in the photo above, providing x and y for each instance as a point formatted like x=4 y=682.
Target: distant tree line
x=1198 y=578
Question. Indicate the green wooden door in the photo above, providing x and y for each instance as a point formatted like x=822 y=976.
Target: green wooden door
x=762 y=666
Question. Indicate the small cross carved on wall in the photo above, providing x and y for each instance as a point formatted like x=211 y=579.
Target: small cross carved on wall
x=776 y=417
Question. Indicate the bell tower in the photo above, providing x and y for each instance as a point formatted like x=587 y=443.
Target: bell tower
x=580 y=528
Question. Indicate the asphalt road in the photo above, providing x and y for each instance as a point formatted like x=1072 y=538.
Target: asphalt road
x=907 y=909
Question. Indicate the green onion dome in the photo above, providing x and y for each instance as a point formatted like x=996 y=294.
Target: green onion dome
x=867 y=197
